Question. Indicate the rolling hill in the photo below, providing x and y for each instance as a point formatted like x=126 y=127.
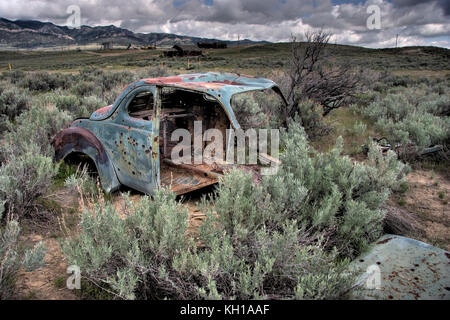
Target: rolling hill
x=34 y=34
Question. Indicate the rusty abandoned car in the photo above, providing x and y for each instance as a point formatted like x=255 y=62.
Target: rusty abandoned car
x=129 y=141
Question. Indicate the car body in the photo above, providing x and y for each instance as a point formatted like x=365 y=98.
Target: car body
x=124 y=140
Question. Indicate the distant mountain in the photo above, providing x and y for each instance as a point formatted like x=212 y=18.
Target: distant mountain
x=33 y=34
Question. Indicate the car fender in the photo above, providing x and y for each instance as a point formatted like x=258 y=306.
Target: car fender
x=81 y=140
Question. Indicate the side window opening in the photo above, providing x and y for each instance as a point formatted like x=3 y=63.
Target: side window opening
x=141 y=106
x=181 y=108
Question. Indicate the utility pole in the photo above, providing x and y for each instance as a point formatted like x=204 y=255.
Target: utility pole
x=396 y=40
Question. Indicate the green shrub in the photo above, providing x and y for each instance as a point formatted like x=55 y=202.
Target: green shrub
x=80 y=182
x=90 y=104
x=44 y=81
x=248 y=112
x=412 y=118
x=258 y=109
x=12 y=258
x=13 y=102
x=90 y=74
x=23 y=179
x=60 y=99
x=140 y=247
x=77 y=107
x=310 y=115
x=13 y=76
x=109 y=80
x=153 y=72
x=341 y=198
x=148 y=255
x=84 y=88
x=109 y=97
x=358 y=129
x=33 y=131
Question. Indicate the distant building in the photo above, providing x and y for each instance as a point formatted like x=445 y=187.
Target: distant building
x=212 y=45
x=180 y=50
x=107 y=45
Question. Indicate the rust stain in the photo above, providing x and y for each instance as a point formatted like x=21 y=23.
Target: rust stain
x=384 y=241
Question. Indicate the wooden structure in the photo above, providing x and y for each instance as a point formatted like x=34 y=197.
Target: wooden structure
x=179 y=50
x=107 y=45
x=212 y=45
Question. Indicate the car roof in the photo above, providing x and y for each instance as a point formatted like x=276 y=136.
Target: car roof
x=220 y=85
x=210 y=81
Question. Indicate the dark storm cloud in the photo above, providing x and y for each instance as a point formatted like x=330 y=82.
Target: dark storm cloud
x=416 y=21
x=444 y=4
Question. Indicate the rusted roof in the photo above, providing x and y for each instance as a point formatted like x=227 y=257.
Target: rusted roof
x=214 y=80
x=186 y=47
x=220 y=85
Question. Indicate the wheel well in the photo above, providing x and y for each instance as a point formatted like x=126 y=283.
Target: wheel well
x=82 y=159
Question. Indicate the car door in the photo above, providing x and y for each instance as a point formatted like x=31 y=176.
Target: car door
x=135 y=139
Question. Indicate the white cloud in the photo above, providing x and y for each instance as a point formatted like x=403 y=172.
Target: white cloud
x=417 y=22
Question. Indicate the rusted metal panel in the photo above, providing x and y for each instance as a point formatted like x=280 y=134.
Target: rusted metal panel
x=181 y=181
x=81 y=140
x=221 y=86
x=402 y=268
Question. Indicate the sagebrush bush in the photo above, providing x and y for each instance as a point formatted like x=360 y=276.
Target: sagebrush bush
x=312 y=120
x=258 y=109
x=80 y=182
x=26 y=158
x=358 y=129
x=414 y=117
x=109 y=80
x=23 y=179
x=109 y=97
x=44 y=81
x=153 y=72
x=341 y=198
x=13 y=101
x=248 y=112
x=85 y=88
x=60 y=99
x=76 y=106
x=149 y=254
x=12 y=258
x=14 y=76
x=33 y=130
x=90 y=104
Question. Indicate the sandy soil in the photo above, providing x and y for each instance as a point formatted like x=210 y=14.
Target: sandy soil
x=428 y=196
x=48 y=282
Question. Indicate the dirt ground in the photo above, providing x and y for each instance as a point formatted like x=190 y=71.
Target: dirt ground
x=428 y=198
x=49 y=281
x=422 y=198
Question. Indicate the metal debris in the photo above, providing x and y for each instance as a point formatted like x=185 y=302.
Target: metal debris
x=407 y=269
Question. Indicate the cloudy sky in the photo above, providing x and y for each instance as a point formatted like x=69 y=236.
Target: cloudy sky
x=416 y=22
